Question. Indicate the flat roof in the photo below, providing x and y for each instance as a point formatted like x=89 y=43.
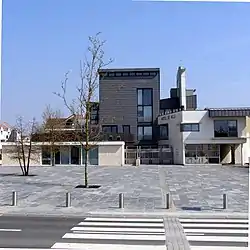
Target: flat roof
x=128 y=69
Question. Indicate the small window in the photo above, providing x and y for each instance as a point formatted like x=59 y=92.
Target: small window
x=125 y=74
x=139 y=73
x=126 y=129
x=164 y=132
x=190 y=127
x=118 y=74
x=111 y=74
x=110 y=129
x=146 y=73
x=153 y=73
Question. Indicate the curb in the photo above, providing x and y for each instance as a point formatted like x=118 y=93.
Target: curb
x=128 y=214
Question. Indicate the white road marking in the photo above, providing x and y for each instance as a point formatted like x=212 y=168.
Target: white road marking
x=113 y=237
x=10 y=230
x=217 y=238
x=119 y=229
x=214 y=220
x=217 y=248
x=123 y=219
x=214 y=225
x=120 y=224
x=226 y=231
x=106 y=246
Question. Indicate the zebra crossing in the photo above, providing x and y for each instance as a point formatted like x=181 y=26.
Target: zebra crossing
x=216 y=234
x=115 y=234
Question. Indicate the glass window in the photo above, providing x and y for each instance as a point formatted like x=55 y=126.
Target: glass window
x=147 y=113
x=190 y=127
x=164 y=131
x=110 y=128
x=225 y=128
x=147 y=97
x=46 y=156
x=144 y=132
x=140 y=133
x=139 y=97
x=64 y=155
x=126 y=129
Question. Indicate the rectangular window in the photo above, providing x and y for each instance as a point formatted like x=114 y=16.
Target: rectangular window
x=144 y=114
x=144 y=97
x=225 y=128
x=190 y=127
x=144 y=133
x=110 y=129
x=144 y=105
x=164 y=132
x=126 y=129
x=46 y=156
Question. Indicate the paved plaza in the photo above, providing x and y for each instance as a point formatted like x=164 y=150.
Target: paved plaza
x=144 y=188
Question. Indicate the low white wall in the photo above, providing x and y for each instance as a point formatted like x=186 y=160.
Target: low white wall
x=111 y=155
x=8 y=157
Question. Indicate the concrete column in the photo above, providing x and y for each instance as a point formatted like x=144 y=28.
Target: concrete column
x=241 y=154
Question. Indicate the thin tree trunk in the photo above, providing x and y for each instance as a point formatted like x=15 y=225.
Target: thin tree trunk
x=86 y=168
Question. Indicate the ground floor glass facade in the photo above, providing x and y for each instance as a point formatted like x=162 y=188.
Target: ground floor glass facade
x=202 y=153
x=66 y=155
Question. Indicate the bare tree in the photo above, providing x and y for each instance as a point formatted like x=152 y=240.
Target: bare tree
x=24 y=150
x=81 y=106
x=51 y=129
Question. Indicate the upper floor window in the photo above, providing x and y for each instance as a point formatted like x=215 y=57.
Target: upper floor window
x=190 y=127
x=110 y=129
x=164 y=132
x=225 y=128
x=144 y=133
x=144 y=105
x=144 y=97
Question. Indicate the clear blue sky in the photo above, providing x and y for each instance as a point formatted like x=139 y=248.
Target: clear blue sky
x=42 y=39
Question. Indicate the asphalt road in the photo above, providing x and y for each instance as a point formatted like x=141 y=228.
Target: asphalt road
x=30 y=232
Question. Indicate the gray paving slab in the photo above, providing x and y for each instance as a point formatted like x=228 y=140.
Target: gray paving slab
x=203 y=187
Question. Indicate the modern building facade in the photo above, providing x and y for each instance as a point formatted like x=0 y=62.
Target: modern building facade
x=211 y=136
x=129 y=103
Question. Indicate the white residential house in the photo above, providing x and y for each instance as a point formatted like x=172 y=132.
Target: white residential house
x=5 y=132
x=210 y=136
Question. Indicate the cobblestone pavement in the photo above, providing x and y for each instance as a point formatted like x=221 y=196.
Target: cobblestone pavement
x=203 y=187
x=143 y=187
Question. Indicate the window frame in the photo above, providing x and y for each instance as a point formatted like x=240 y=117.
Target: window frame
x=143 y=133
x=141 y=104
x=111 y=128
x=161 y=136
x=182 y=127
x=230 y=134
x=125 y=126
